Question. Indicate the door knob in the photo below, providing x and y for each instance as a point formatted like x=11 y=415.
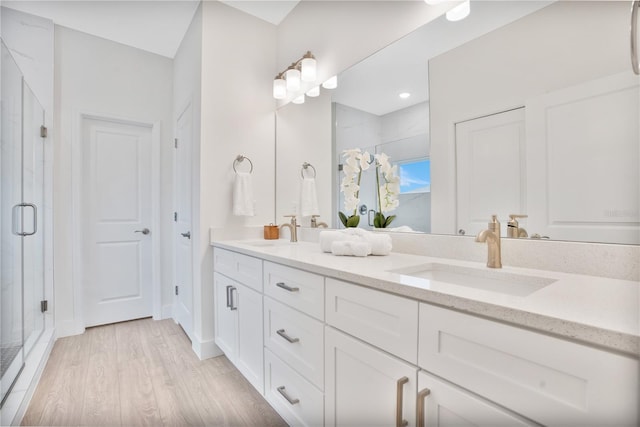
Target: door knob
x=187 y=234
x=144 y=231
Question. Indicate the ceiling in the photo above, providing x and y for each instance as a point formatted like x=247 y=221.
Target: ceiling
x=157 y=26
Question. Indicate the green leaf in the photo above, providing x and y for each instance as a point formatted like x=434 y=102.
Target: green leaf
x=378 y=220
x=343 y=219
x=390 y=219
x=353 y=221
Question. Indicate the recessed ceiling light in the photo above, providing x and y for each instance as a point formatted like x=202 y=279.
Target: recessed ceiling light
x=404 y=95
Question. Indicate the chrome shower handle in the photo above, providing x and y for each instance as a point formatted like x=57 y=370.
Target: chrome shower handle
x=14 y=222
x=635 y=5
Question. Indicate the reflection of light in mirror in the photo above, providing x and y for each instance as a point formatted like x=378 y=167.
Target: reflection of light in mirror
x=332 y=83
x=299 y=99
x=404 y=95
x=313 y=92
x=459 y=12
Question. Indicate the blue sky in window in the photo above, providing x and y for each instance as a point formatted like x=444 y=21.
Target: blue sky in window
x=415 y=177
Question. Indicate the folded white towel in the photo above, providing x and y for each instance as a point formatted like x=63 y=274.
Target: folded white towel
x=357 y=247
x=380 y=243
x=243 y=195
x=402 y=228
x=308 y=197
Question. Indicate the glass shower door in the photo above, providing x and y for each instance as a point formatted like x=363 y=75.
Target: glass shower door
x=11 y=307
x=32 y=217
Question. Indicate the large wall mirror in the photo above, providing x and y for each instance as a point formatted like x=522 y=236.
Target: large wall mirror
x=525 y=108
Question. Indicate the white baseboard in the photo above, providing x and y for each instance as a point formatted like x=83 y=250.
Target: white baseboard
x=205 y=349
x=167 y=312
x=67 y=328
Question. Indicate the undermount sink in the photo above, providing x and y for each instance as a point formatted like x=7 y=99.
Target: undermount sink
x=488 y=280
x=267 y=243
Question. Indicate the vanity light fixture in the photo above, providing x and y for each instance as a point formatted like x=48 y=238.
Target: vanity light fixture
x=332 y=83
x=279 y=87
x=297 y=78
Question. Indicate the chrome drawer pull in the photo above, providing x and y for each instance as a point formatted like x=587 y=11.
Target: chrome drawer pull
x=287 y=288
x=422 y=395
x=286 y=396
x=399 y=397
x=282 y=333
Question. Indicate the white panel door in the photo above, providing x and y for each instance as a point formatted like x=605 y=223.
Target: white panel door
x=585 y=140
x=183 y=307
x=117 y=212
x=490 y=170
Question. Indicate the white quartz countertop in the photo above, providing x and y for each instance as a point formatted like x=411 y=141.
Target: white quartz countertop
x=593 y=310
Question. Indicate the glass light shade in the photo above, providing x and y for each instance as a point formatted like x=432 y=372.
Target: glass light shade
x=308 y=69
x=292 y=76
x=314 y=91
x=299 y=99
x=459 y=12
x=279 y=88
x=332 y=83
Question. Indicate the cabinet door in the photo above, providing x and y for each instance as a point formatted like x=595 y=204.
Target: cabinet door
x=249 y=359
x=441 y=404
x=226 y=325
x=366 y=386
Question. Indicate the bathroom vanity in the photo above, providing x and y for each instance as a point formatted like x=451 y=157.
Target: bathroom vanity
x=415 y=340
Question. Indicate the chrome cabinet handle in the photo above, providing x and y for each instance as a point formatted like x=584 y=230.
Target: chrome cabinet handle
x=399 y=397
x=228 y=298
x=144 y=231
x=14 y=219
x=422 y=395
x=232 y=306
x=287 y=288
x=284 y=335
x=187 y=234
x=286 y=396
x=635 y=5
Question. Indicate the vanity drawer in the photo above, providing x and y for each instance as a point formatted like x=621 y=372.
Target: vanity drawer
x=295 y=399
x=282 y=325
x=546 y=379
x=387 y=321
x=241 y=268
x=299 y=289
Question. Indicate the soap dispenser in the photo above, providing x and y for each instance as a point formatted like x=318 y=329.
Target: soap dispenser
x=513 y=228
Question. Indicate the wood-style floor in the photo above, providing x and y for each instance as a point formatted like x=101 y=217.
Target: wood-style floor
x=142 y=373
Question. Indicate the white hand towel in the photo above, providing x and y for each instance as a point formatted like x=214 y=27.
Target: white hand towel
x=327 y=237
x=308 y=197
x=358 y=247
x=380 y=243
x=243 y=195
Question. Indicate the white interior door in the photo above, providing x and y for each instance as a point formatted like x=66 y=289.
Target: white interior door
x=490 y=170
x=182 y=234
x=117 y=215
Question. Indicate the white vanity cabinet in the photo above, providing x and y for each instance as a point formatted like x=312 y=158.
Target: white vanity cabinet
x=238 y=313
x=545 y=379
x=294 y=344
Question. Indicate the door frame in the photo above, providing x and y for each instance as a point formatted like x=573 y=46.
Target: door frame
x=77 y=151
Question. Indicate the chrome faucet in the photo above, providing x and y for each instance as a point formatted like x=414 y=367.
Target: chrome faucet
x=514 y=229
x=293 y=227
x=316 y=224
x=492 y=237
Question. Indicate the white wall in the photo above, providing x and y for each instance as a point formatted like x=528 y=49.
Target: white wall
x=95 y=75
x=303 y=136
x=238 y=65
x=561 y=45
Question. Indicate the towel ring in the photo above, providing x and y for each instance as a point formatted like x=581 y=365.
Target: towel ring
x=240 y=159
x=305 y=166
